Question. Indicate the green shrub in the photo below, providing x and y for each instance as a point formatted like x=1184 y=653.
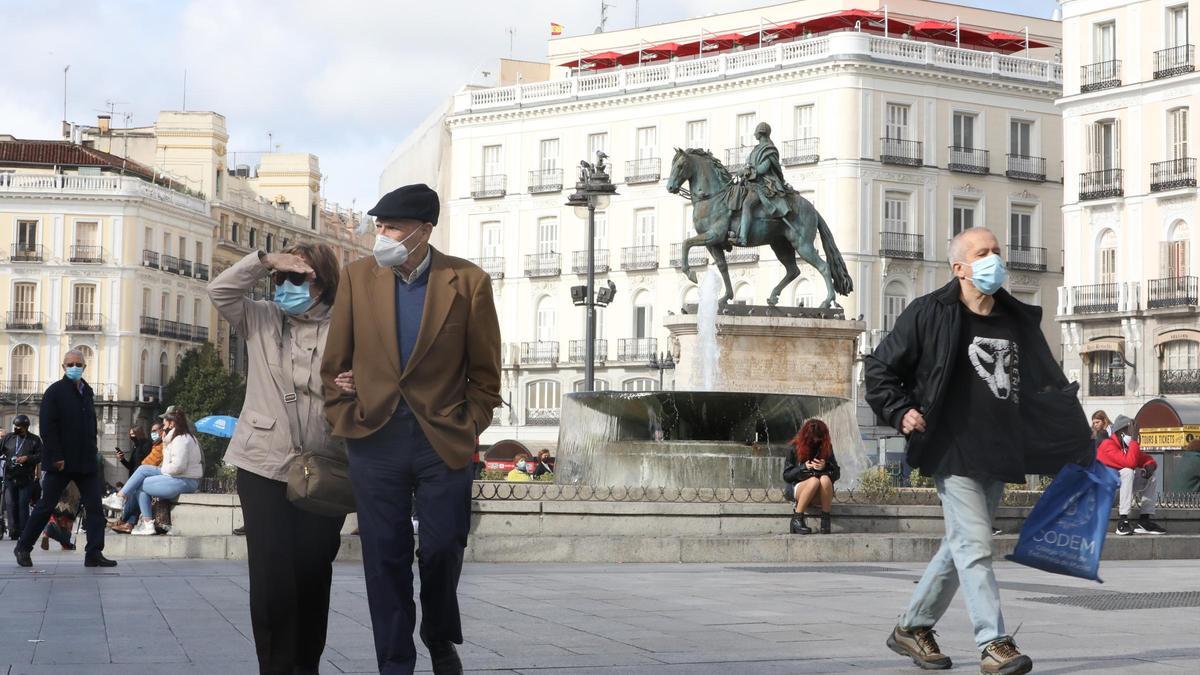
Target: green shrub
x=877 y=482
x=915 y=479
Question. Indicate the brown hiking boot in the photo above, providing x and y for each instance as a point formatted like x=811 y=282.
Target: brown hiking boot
x=1001 y=656
x=920 y=646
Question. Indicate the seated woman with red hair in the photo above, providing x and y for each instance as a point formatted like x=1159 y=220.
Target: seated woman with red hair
x=811 y=470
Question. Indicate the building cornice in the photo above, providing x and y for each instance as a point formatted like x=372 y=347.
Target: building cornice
x=1129 y=96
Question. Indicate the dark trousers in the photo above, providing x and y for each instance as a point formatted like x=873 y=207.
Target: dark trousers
x=17 y=507
x=387 y=469
x=53 y=484
x=290 y=554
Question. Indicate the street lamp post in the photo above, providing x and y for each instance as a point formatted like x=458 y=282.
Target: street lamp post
x=591 y=192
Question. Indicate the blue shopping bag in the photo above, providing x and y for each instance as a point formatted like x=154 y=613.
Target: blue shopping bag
x=1064 y=532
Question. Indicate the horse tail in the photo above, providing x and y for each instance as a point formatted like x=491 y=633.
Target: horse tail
x=842 y=283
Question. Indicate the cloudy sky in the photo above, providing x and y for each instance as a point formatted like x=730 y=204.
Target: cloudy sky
x=344 y=80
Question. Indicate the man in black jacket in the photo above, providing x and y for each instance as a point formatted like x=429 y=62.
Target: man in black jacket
x=21 y=450
x=69 y=455
x=968 y=377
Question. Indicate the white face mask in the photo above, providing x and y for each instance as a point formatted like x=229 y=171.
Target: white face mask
x=389 y=252
x=1127 y=438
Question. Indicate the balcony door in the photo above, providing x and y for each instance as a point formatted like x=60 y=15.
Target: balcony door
x=1104 y=150
x=745 y=130
x=645 y=227
x=1177 y=27
x=26 y=235
x=1020 y=227
x=803 y=122
x=896 y=123
x=492 y=160
x=548 y=154
x=1175 y=262
x=83 y=301
x=24 y=301
x=547 y=236
x=87 y=234
x=1177 y=133
x=1106 y=263
x=895 y=299
x=643 y=316
x=964 y=131
x=492 y=245
x=547 y=318
x=22 y=368
x=1104 y=44
x=647 y=142
x=1020 y=138
x=895 y=213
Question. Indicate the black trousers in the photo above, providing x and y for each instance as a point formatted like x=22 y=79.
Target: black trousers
x=387 y=468
x=17 y=506
x=290 y=554
x=53 y=484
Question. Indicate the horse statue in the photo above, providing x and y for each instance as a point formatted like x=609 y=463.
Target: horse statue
x=715 y=201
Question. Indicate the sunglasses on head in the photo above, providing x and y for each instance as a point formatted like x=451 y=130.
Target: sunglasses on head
x=296 y=278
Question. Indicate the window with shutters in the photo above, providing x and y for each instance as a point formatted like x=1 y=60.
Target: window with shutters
x=547 y=235
x=804 y=121
x=22 y=367
x=647 y=142
x=1104 y=42
x=1177 y=26
x=196 y=313
x=895 y=299
x=163 y=375
x=963 y=215
x=745 y=130
x=548 y=154
x=643 y=315
x=1104 y=150
x=1175 y=252
x=143 y=363
x=601 y=231
x=1177 y=133
x=87 y=233
x=166 y=249
x=804 y=294
x=543 y=395
x=895 y=212
x=179 y=309
x=964 y=130
x=1020 y=226
x=547 y=319
x=492 y=245
x=596 y=143
x=27 y=231
x=491 y=160
x=1106 y=262
x=1020 y=138
x=83 y=301
x=645 y=224
x=697 y=134
x=163 y=305
x=1181 y=355
x=640 y=384
x=145 y=302
x=896 y=122
x=24 y=301
x=599 y=385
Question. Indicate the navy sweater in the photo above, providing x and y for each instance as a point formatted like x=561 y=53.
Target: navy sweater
x=410 y=304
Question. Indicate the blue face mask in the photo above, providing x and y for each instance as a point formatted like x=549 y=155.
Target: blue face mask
x=74 y=373
x=154 y=436
x=294 y=299
x=988 y=274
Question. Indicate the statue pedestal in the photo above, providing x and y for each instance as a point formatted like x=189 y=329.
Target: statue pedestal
x=768 y=351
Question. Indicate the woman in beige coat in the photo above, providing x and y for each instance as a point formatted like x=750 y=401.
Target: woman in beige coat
x=290 y=551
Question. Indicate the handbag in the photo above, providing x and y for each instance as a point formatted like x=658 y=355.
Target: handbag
x=318 y=481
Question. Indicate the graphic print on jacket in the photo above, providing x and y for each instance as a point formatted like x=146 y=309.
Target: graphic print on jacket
x=996 y=361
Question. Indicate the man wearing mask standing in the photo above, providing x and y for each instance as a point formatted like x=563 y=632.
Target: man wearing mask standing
x=967 y=376
x=69 y=455
x=412 y=376
x=21 y=450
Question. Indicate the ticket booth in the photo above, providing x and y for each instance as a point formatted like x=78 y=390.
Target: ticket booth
x=1165 y=428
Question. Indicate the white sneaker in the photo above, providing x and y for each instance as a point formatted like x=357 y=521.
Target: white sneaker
x=114 y=502
x=144 y=527
x=416 y=525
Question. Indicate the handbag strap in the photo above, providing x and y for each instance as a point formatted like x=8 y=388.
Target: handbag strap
x=290 y=400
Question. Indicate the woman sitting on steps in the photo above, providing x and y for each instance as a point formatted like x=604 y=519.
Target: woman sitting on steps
x=811 y=469
x=182 y=468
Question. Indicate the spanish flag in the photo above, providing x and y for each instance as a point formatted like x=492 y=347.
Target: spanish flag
x=555 y=28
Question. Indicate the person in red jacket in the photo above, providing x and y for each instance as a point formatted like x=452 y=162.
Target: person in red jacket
x=1121 y=452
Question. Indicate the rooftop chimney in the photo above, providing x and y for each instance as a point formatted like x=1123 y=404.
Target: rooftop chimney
x=104 y=123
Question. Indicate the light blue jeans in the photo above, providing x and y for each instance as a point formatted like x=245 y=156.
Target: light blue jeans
x=964 y=558
x=163 y=487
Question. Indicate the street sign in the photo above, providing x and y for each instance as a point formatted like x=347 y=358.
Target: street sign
x=1168 y=438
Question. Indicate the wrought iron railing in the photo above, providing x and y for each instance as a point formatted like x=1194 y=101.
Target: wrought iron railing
x=201 y=271
x=149 y=258
x=22 y=320
x=545 y=180
x=580 y=259
x=185 y=267
x=1107 y=383
x=148 y=325
x=741 y=257
x=1097 y=298
x=1172 y=292
x=1174 y=61
x=1097 y=76
x=86 y=254
x=483 y=187
x=85 y=322
x=1031 y=258
x=642 y=170
x=493 y=266
x=21 y=391
x=23 y=252
x=736 y=158
x=1101 y=184
x=578 y=351
x=172 y=264
x=902 y=245
x=637 y=349
x=800 y=151
x=543 y=265
x=968 y=160
x=173 y=330
x=696 y=256
x=1179 y=381
x=1025 y=167
x=896 y=151
x=539 y=353
x=639 y=258
x=200 y=334
x=542 y=417
x=1173 y=174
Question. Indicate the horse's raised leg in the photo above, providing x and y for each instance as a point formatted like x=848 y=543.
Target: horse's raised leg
x=802 y=238
x=698 y=240
x=787 y=255
x=718 y=254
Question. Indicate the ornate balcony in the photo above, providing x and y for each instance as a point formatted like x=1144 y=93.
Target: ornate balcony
x=968 y=160
x=1107 y=383
x=1177 y=381
x=86 y=254
x=800 y=151
x=642 y=171
x=543 y=265
x=736 y=158
x=904 y=153
x=22 y=320
x=1174 y=61
x=1101 y=184
x=632 y=350
x=539 y=353
x=185 y=266
x=741 y=256
x=88 y=322
x=1097 y=298
x=201 y=271
x=579 y=261
x=149 y=258
x=21 y=392
x=173 y=265
x=1173 y=174
x=578 y=351
x=27 y=253
x=547 y=180
x=635 y=258
x=1031 y=258
x=149 y=325
x=493 y=266
x=487 y=187
x=697 y=256
x=901 y=245
x=1173 y=292
x=173 y=330
x=1098 y=76
x=1025 y=167
x=542 y=417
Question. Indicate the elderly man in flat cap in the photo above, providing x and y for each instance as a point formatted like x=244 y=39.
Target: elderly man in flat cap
x=412 y=375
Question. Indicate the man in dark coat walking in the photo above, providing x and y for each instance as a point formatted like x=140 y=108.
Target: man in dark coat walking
x=967 y=376
x=69 y=455
x=21 y=450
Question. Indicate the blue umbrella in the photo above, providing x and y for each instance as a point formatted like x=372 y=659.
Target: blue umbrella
x=217 y=425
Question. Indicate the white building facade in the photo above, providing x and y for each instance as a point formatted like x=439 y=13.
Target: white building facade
x=899 y=143
x=1131 y=208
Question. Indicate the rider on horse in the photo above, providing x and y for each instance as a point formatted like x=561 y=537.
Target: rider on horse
x=763 y=178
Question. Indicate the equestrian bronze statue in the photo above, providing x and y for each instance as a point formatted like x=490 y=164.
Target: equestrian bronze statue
x=766 y=211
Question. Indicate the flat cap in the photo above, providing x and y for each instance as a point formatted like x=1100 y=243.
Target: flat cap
x=418 y=202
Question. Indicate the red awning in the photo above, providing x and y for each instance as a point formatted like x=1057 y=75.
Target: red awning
x=948 y=32
x=773 y=33
x=849 y=18
x=651 y=55
x=601 y=60
x=1012 y=43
